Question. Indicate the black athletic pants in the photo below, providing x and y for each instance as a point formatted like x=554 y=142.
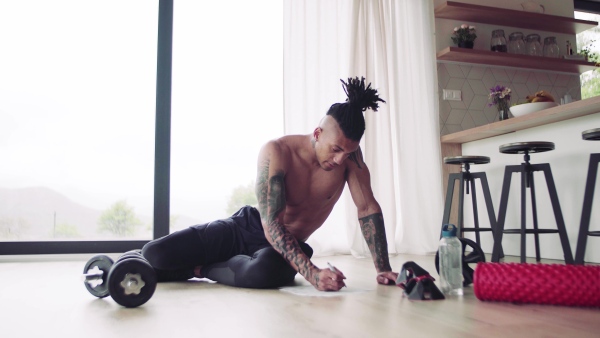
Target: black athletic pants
x=232 y=251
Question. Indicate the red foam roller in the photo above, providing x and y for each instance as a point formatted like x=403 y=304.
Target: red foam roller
x=552 y=284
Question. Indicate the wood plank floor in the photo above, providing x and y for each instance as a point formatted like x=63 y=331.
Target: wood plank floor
x=42 y=296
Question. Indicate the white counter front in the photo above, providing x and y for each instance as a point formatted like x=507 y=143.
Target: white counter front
x=569 y=163
x=562 y=125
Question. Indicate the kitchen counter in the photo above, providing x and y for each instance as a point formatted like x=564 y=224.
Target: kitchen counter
x=561 y=125
x=451 y=144
x=539 y=118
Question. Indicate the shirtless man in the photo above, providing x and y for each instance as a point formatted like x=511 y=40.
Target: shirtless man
x=299 y=180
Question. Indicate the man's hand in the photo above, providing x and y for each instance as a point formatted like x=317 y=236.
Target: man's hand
x=387 y=278
x=327 y=280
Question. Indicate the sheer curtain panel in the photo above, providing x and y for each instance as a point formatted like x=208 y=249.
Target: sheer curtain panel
x=391 y=44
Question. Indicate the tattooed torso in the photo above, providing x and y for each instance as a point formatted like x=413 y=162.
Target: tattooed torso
x=310 y=192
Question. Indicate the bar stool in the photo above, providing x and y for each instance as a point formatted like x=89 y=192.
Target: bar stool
x=526 y=170
x=588 y=197
x=467 y=178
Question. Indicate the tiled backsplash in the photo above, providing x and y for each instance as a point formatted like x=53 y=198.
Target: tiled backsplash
x=475 y=82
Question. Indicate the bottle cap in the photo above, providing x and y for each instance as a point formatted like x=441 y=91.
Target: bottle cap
x=448 y=230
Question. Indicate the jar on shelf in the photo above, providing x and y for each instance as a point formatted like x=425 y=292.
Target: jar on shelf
x=516 y=44
x=533 y=45
x=551 y=47
x=498 y=42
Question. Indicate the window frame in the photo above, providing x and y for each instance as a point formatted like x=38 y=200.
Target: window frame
x=162 y=158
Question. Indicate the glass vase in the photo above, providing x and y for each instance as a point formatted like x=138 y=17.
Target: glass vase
x=503 y=110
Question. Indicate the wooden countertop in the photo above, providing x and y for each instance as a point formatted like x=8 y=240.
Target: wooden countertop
x=539 y=118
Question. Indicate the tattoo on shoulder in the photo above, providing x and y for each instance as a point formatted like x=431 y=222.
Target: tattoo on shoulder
x=262 y=186
x=357 y=158
x=276 y=195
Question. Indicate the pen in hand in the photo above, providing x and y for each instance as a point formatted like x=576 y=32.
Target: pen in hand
x=334 y=269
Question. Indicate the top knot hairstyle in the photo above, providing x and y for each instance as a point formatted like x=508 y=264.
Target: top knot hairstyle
x=349 y=115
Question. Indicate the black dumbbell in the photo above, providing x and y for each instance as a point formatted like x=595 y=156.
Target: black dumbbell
x=95 y=273
x=130 y=281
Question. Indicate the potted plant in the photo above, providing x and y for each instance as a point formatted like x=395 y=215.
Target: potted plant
x=464 y=36
x=587 y=53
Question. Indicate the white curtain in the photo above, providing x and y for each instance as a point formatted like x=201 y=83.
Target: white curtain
x=391 y=44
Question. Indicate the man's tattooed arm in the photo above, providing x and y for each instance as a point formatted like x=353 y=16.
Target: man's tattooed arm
x=270 y=192
x=373 y=230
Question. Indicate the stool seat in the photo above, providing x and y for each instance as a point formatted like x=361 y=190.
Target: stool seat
x=466 y=159
x=591 y=134
x=526 y=147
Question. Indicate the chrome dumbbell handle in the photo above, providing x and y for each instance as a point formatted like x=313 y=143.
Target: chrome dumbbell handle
x=93 y=277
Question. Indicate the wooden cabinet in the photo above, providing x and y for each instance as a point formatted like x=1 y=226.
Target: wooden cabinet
x=506 y=17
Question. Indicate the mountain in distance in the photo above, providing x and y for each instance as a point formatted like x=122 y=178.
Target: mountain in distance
x=34 y=213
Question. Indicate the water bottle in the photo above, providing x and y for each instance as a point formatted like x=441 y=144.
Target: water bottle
x=450 y=255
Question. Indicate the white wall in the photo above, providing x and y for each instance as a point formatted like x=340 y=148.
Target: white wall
x=569 y=163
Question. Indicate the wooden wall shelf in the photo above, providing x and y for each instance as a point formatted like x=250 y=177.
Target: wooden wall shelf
x=507 y=17
x=464 y=55
x=539 y=118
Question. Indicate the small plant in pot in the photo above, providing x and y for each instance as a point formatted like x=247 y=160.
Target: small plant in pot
x=464 y=36
x=587 y=52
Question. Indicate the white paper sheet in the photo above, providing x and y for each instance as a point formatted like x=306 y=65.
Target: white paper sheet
x=310 y=291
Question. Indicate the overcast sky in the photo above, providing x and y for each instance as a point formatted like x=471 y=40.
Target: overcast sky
x=77 y=99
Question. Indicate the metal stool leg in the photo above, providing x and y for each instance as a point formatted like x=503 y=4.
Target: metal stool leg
x=449 y=195
x=508 y=171
x=461 y=201
x=475 y=212
x=485 y=187
x=560 y=222
x=460 y=177
x=586 y=212
x=536 y=235
x=524 y=185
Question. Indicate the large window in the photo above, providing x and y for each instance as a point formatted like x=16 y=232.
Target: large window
x=589 y=40
x=77 y=112
x=77 y=115
x=227 y=101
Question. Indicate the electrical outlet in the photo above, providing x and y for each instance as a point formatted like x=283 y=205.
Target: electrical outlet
x=452 y=95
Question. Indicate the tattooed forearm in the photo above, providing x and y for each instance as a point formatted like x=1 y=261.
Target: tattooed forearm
x=270 y=193
x=373 y=230
x=287 y=245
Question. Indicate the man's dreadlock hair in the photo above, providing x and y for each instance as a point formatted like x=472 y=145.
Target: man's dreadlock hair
x=349 y=115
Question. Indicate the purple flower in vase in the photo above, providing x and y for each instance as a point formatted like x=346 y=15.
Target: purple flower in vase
x=500 y=96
